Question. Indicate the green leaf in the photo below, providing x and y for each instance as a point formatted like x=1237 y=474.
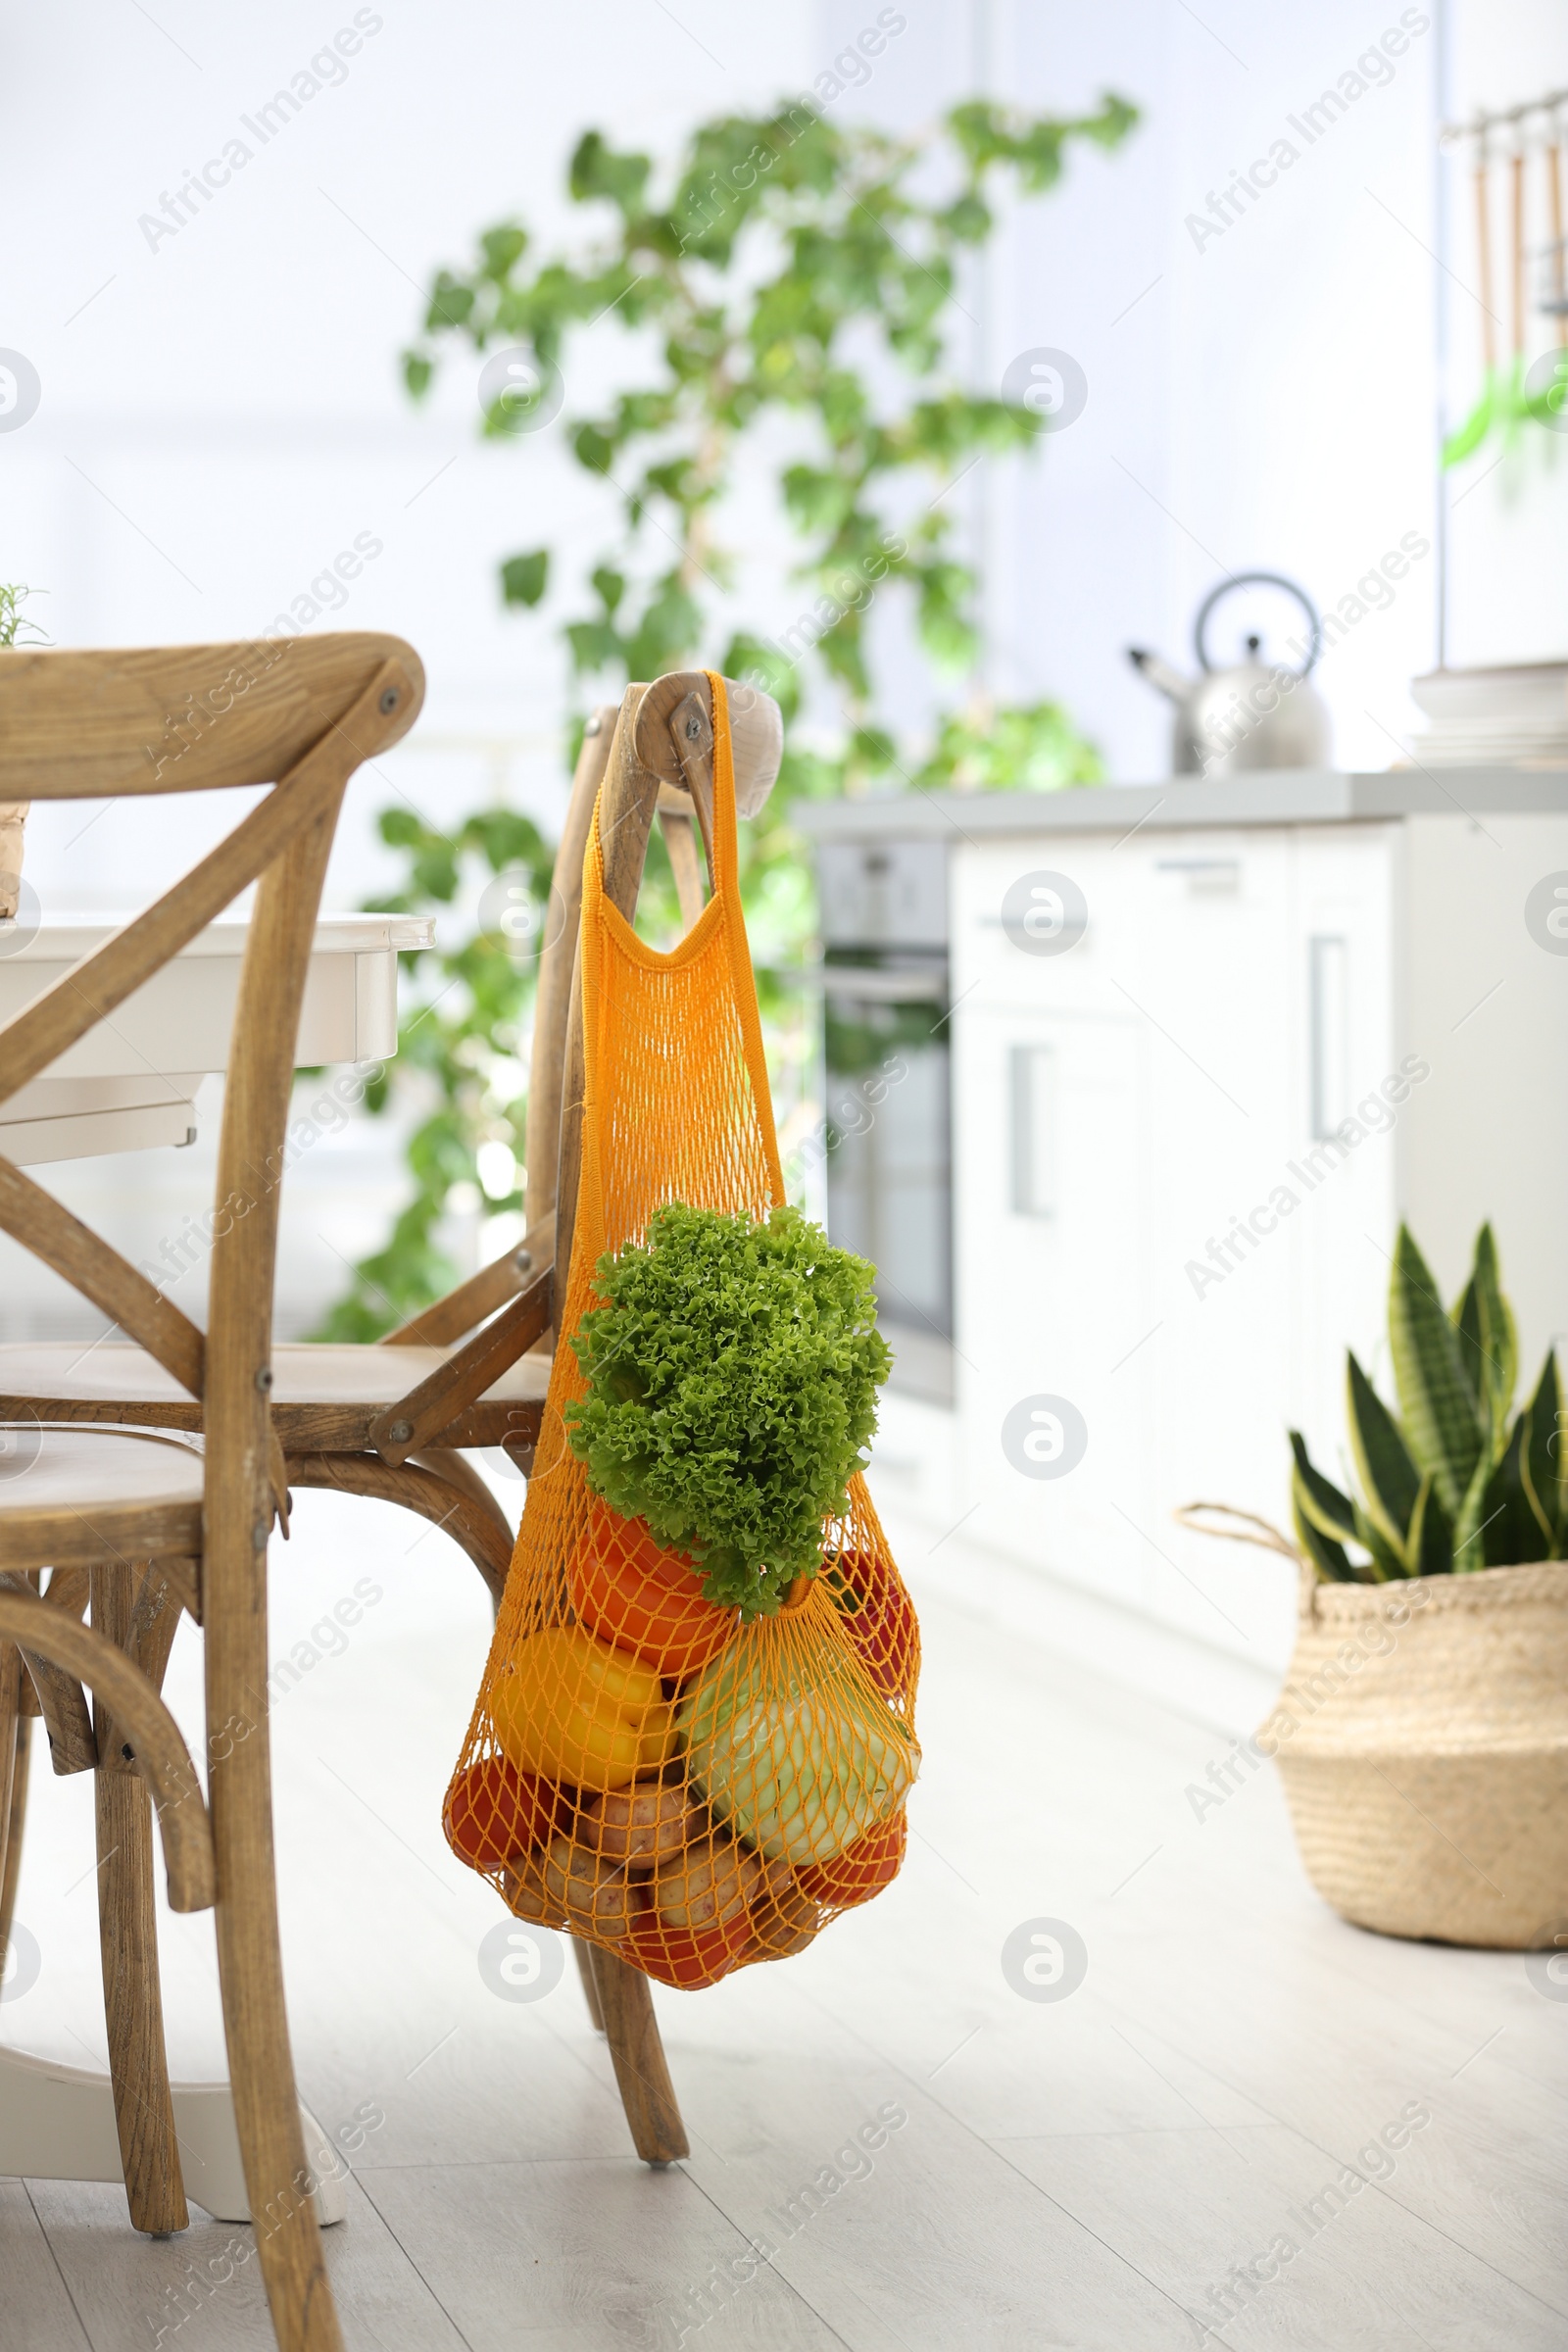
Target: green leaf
x=598 y=171
x=1329 y=1558
x=1318 y=1499
x=1468 y=437
x=502 y=248
x=1469 y=1537
x=969 y=221
x=594 y=646
x=1442 y=1421
x=1386 y=1563
x=1389 y=1479
x=1511 y=1530
x=667 y=630
x=816 y=500
x=1489 y=1347
x=608 y=586
x=593 y=448
x=1429 y=1547
x=450 y=303
x=1541 y=1462
x=417 y=370
x=945 y=630
x=523 y=577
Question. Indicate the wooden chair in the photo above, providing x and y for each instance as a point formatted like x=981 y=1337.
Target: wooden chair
x=658 y=761
x=146 y=1525
x=471 y=1371
x=343 y=1415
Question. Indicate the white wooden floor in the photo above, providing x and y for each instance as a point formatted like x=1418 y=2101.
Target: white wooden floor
x=1088 y=2171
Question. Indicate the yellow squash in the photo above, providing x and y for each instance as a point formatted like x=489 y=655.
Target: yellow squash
x=573 y=1709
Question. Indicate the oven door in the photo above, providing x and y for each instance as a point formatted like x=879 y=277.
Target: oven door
x=888 y=1151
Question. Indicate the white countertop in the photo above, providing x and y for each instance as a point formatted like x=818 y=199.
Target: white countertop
x=1267 y=797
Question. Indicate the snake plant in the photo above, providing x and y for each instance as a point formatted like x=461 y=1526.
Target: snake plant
x=1455 y=1480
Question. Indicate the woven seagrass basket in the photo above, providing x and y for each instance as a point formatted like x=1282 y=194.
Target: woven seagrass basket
x=1422 y=1736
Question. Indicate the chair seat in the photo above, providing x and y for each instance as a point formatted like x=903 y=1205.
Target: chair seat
x=324 y=1396
x=69 y=1495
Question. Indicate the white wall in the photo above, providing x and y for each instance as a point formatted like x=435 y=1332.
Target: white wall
x=1259 y=398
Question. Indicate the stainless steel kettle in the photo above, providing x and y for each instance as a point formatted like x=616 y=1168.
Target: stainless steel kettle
x=1255 y=714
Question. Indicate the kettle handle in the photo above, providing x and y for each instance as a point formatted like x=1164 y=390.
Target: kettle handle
x=1267 y=580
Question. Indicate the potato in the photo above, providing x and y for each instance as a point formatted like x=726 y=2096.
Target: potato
x=523 y=1883
x=784 y=1917
x=642 y=1826
x=596 y=1896
x=708 y=1885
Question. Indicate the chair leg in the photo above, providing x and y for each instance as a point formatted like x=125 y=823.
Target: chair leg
x=642 y=2072
x=16 y=1751
x=590 y=1982
x=127 y=1942
x=250 y=1966
x=134 y=2008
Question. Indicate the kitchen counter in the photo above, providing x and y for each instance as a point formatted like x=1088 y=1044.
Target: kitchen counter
x=1279 y=797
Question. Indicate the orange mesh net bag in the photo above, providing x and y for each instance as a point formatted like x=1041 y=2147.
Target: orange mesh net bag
x=693 y=1783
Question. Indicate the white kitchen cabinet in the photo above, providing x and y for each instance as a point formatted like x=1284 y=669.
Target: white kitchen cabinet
x=1151 y=1216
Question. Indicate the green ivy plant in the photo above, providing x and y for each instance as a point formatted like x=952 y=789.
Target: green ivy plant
x=459 y=1043
x=784 y=290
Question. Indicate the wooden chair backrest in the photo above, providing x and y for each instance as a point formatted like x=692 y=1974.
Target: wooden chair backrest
x=300 y=714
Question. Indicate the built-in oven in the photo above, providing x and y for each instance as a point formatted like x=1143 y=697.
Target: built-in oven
x=885 y=1050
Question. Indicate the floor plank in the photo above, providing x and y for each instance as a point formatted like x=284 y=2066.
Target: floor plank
x=1260 y=2238
x=565 y=2256
x=36 y=2313
x=203 y=2288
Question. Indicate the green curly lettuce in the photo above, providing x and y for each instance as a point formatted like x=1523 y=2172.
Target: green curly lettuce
x=732 y=1373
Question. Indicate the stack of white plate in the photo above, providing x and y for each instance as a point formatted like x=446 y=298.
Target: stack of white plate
x=1516 y=717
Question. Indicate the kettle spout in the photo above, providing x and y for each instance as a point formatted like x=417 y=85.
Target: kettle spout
x=1158 y=671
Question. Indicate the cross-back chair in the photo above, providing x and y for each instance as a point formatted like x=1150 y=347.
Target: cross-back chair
x=141 y=1524
x=394 y=1419
x=342 y=1416
x=660 y=763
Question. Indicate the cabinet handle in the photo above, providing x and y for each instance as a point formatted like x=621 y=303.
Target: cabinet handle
x=1329 y=1048
x=1032 y=1096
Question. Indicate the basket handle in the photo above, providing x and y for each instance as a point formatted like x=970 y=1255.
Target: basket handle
x=1263 y=1533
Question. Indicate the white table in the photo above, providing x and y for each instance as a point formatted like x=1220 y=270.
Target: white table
x=112 y=1092
x=131 y=1082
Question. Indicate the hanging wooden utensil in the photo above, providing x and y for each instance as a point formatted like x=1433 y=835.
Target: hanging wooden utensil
x=1513 y=390
x=1468 y=437
x=1559 y=256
